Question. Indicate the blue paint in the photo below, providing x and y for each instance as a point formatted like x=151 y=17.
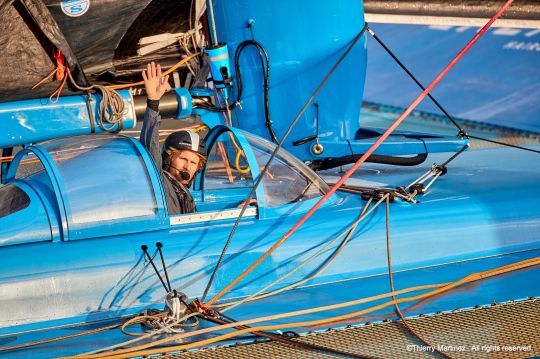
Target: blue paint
x=496 y=82
x=31 y=121
x=398 y=143
x=301 y=52
x=483 y=213
x=255 y=169
x=185 y=105
x=94 y=268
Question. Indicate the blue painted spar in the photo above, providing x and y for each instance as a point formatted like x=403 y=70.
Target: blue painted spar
x=31 y=121
x=497 y=82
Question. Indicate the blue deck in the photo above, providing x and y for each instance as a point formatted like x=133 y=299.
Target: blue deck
x=479 y=216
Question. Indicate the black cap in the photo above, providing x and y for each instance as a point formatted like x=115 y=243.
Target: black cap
x=185 y=140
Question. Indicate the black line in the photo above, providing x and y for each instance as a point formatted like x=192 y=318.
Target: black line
x=278 y=147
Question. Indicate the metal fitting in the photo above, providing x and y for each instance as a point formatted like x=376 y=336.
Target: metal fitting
x=317 y=149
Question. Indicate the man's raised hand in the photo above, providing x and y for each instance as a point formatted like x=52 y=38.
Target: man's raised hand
x=154 y=83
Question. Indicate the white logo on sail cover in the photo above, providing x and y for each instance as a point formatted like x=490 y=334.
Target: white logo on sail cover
x=75 y=8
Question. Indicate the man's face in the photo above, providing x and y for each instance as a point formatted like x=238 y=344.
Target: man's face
x=184 y=161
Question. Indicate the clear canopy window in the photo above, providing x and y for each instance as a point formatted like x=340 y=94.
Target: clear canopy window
x=288 y=180
x=104 y=176
x=227 y=166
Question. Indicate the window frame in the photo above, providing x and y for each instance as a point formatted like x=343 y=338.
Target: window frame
x=198 y=185
x=98 y=229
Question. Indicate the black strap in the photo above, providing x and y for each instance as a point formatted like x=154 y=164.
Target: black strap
x=90 y=112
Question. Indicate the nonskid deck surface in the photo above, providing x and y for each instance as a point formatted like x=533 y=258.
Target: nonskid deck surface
x=510 y=330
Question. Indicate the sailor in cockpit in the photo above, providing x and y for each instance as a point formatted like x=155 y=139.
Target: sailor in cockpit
x=182 y=155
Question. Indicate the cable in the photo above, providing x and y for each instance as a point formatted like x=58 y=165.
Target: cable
x=283 y=340
x=370 y=31
x=239 y=152
x=155 y=318
x=58 y=339
x=361 y=160
x=349 y=231
x=455 y=155
x=462 y=132
x=273 y=155
x=265 y=66
x=96 y=353
x=503 y=144
x=391 y=282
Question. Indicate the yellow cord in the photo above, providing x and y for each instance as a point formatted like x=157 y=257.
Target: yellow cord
x=439 y=288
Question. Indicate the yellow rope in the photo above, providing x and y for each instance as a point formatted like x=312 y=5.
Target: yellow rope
x=348 y=231
x=440 y=288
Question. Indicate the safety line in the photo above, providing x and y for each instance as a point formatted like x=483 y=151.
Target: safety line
x=273 y=155
x=364 y=157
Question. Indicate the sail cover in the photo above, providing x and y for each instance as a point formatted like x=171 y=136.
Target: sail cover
x=102 y=41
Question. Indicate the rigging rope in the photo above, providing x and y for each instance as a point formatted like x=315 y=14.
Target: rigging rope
x=112 y=105
x=284 y=340
x=58 y=339
x=362 y=159
x=462 y=132
x=392 y=290
x=349 y=231
x=273 y=155
x=454 y=122
x=435 y=290
x=255 y=296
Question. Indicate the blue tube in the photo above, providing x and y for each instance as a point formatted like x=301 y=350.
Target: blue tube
x=185 y=106
x=31 y=121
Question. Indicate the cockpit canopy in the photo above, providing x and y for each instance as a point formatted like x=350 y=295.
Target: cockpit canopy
x=103 y=185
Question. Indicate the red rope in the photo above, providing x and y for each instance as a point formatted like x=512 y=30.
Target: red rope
x=391 y=129
x=60 y=73
x=364 y=157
